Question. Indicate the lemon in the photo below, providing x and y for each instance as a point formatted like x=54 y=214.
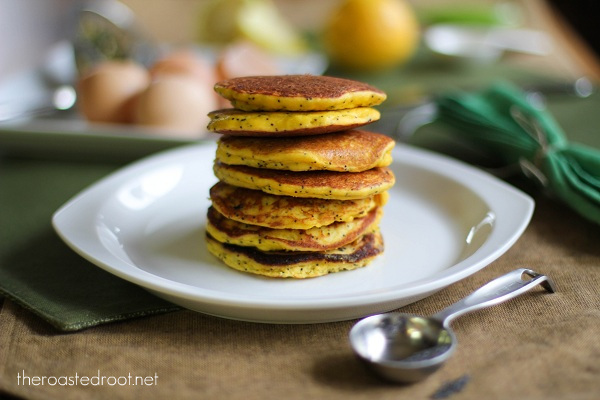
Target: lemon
x=371 y=34
x=262 y=23
x=218 y=21
x=258 y=21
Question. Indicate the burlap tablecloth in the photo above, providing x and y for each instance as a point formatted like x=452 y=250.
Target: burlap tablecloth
x=538 y=346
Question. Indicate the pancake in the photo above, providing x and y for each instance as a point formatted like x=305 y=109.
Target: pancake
x=298 y=264
x=259 y=208
x=267 y=239
x=316 y=184
x=298 y=93
x=348 y=151
x=276 y=123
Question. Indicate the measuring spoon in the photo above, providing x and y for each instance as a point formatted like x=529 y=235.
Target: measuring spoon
x=407 y=348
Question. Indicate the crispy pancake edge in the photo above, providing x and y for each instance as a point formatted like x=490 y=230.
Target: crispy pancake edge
x=317 y=184
x=323 y=238
x=348 y=151
x=285 y=211
x=232 y=122
x=297 y=265
x=298 y=93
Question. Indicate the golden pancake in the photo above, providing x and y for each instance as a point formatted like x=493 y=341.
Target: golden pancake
x=267 y=239
x=298 y=93
x=316 y=184
x=298 y=264
x=349 y=151
x=259 y=208
x=276 y=123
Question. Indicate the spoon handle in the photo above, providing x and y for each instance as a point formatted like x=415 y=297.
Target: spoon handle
x=495 y=292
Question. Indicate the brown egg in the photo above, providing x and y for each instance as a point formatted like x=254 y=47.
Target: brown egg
x=176 y=104
x=184 y=62
x=245 y=59
x=107 y=92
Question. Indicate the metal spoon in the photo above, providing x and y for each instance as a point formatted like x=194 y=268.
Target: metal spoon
x=407 y=348
x=408 y=119
x=484 y=44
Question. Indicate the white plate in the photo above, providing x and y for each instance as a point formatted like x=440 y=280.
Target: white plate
x=73 y=137
x=443 y=222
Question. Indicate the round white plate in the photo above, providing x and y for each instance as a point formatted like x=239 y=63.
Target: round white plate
x=145 y=223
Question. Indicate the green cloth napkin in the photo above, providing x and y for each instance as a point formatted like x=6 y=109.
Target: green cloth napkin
x=37 y=270
x=518 y=131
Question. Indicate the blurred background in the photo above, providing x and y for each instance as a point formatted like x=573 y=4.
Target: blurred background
x=145 y=68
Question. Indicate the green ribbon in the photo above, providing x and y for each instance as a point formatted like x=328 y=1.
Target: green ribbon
x=503 y=121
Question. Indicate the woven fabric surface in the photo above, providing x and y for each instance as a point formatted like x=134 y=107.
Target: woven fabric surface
x=537 y=346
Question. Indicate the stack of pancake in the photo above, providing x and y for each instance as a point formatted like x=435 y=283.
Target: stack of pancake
x=300 y=189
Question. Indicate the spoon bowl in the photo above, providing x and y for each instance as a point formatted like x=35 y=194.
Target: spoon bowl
x=402 y=347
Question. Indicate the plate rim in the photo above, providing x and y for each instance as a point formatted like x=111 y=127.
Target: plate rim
x=424 y=158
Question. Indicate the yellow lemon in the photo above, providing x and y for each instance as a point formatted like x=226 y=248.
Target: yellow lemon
x=258 y=21
x=371 y=34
